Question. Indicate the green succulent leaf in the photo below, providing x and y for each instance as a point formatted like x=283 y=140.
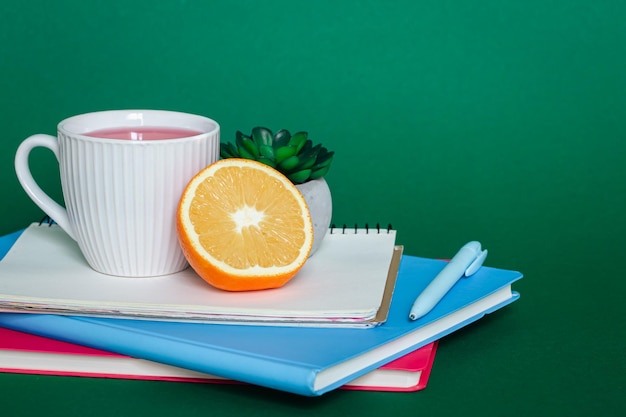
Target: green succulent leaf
x=225 y=151
x=311 y=153
x=243 y=153
x=246 y=147
x=267 y=162
x=251 y=147
x=306 y=162
x=284 y=152
x=232 y=149
x=281 y=138
x=299 y=177
x=319 y=173
x=289 y=163
x=262 y=136
x=308 y=145
x=298 y=140
x=324 y=160
x=240 y=135
x=316 y=149
x=267 y=152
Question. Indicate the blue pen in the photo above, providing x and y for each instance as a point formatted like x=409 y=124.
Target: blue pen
x=465 y=263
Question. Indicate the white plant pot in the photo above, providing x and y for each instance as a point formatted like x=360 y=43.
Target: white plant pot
x=318 y=198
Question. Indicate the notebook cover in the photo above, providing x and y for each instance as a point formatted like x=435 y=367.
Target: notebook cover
x=30 y=354
x=412 y=372
x=310 y=361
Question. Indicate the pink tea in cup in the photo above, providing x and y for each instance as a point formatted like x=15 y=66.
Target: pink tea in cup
x=143 y=133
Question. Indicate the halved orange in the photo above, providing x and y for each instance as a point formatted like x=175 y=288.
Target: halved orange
x=243 y=225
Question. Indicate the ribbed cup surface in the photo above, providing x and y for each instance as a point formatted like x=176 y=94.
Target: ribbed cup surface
x=121 y=198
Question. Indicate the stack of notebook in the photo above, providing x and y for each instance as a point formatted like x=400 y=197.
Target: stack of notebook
x=342 y=322
x=30 y=354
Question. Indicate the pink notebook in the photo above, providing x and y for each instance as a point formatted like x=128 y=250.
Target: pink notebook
x=30 y=354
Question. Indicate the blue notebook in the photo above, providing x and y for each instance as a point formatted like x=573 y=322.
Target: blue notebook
x=306 y=361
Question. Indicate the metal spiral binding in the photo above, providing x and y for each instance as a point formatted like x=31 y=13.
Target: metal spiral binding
x=47 y=220
x=343 y=229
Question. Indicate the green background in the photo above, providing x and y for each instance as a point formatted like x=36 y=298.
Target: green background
x=496 y=121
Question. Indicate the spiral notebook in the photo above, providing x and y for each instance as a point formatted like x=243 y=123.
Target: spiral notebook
x=348 y=282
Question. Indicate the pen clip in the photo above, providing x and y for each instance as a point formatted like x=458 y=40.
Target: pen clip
x=476 y=263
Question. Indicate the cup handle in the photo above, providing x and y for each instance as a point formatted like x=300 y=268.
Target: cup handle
x=34 y=191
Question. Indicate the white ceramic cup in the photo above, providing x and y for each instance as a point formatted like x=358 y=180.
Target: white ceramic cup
x=121 y=195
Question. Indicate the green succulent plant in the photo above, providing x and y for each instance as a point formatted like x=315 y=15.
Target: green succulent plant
x=293 y=155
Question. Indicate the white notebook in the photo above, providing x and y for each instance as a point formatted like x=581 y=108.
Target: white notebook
x=347 y=282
